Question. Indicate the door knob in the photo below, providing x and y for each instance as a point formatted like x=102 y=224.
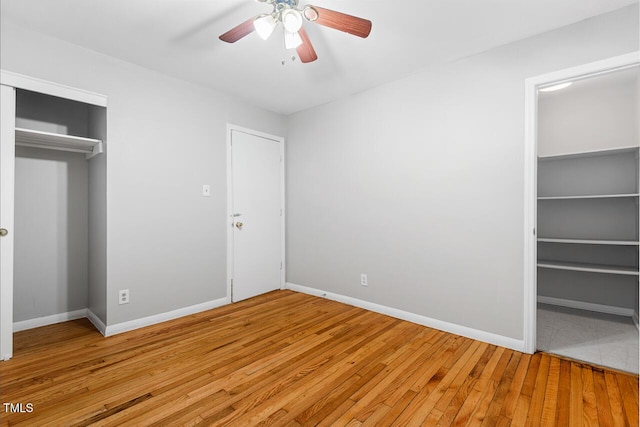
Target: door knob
x=239 y=225
x=3 y=232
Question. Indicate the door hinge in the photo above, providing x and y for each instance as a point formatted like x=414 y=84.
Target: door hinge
x=534 y=231
x=231 y=290
x=280 y=265
x=280 y=212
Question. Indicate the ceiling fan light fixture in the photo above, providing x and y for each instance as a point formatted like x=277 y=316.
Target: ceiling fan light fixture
x=292 y=20
x=310 y=13
x=292 y=40
x=264 y=26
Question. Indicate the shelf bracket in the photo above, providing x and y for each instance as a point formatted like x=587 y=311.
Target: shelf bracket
x=97 y=149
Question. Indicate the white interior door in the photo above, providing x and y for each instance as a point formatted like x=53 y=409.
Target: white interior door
x=256 y=213
x=7 y=156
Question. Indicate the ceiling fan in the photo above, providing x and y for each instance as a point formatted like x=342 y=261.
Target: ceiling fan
x=291 y=16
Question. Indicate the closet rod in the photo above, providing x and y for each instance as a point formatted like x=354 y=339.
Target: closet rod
x=53 y=141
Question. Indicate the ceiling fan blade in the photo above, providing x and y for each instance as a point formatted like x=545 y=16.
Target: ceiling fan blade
x=339 y=21
x=238 y=32
x=306 y=52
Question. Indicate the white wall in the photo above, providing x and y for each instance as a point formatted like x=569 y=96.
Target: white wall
x=419 y=182
x=593 y=114
x=165 y=242
x=51 y=216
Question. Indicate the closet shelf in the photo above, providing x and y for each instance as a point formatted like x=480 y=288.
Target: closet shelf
x=591 y=241
x=592 y=268
x=54 y=141
x=594 y=196
x=593 y=153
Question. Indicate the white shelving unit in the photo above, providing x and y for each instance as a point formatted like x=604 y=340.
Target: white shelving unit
x=588 y=225
x=53 y=141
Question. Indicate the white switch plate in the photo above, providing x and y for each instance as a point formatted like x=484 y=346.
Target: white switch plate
x=206 y=190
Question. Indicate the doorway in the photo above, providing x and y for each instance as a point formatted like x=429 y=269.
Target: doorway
x=576 y=247
x=255 y=205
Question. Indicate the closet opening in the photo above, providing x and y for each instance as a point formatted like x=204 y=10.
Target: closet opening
x=60 y=210
x=587 y=232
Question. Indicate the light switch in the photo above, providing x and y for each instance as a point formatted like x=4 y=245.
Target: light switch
x=206 y=190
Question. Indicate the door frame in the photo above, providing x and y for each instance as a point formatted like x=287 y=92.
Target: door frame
x=229 y=217
x=19 y=81
x=532 y=85
x=7 y=157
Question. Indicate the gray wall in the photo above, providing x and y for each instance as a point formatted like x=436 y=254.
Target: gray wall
x=165 y=242
x=51 y=114
x=419 y=182
x=51 y=215
x=97 y=303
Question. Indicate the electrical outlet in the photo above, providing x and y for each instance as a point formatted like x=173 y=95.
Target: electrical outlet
x=123 y=296
x=363 y=280
x=206 y=190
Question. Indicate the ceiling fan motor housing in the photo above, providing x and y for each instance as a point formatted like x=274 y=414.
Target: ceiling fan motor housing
x=290 y=3
x=291 y=17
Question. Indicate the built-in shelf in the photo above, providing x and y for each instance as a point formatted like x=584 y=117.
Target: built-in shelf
x=595 y=196
x=591 y=242
x=593 y=153
x=592 y=268
x=54 y=141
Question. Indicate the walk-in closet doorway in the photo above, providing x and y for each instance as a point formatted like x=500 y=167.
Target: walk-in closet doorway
x=581 y=229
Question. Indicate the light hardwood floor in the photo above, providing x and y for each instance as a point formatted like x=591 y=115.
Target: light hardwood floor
x=286 y=358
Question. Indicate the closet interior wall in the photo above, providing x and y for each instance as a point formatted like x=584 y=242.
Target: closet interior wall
x=60 y=213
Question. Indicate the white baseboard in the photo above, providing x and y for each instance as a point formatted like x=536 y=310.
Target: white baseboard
x=464 y=331
x=162 y=317
x=120 y=327
x=95 y=320
x=49 y=320
x=609 y=309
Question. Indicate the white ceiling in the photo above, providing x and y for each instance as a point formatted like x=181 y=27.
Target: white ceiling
x=180 y=38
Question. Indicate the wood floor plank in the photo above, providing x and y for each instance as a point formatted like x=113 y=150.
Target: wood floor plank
x=548 y=417
x=603 y=405
x=285 y=358
x=577 y=404
x=534 y=414
x=629 y=392
x=564 y=394
x=590 y=410
x=615 y=400
x=511 y=399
